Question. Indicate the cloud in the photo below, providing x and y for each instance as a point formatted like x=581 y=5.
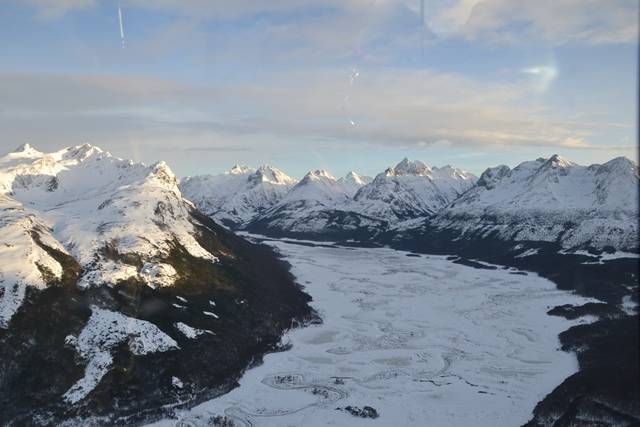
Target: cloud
x=576 y=143
x=554 y=21
x=55 y=93
x=390 y=108
x=49 y=9
x=502 y=21
x=337 y=23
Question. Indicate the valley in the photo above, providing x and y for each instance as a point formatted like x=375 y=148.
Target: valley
x=422 y=340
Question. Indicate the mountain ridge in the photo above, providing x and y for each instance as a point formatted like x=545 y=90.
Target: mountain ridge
x=246 y=192
x=543 y=199
x=106 y=272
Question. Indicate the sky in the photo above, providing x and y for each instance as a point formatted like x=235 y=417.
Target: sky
x=334 y=84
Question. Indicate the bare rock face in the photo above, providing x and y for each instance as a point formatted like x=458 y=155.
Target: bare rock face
x=364 y=412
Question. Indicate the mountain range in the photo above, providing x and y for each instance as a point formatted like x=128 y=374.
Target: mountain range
x=574 y=225
x=131 y=292
x=547 y=199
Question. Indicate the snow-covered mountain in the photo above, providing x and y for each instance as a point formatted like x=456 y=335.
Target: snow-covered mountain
x=317 y=205
x=321 y=207
x=317 y=188
x=102 y=260
x=542 y=200
x=551 y=200
x=27 y=255
x=411 y=190
x=103 y=208
x=237 y=196
x=352 y=182
x=114 y=284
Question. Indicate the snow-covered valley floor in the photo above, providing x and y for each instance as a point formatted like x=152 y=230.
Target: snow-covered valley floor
x=422 y=340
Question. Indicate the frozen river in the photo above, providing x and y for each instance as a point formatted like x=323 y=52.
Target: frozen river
x=422 y=340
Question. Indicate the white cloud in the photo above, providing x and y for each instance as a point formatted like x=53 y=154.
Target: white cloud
x=391 y=108
x=342 y=22
x=55 y=8
x=552 y=21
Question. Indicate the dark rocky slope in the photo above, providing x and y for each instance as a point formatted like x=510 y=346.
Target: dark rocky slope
x=336 y=225
x=256 y=300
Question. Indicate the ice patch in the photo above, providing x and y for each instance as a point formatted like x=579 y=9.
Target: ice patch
x=177 y=382
x=190 y=332
x=528 y=252
x=628 y=306
x=103 y=332
x=158 y=274
x=108 y=273
x=617 y=255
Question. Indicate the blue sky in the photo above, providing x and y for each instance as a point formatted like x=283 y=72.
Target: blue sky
x=350 y=84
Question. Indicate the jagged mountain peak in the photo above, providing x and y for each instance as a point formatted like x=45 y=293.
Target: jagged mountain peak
x=584 y=205
x=269 y=174
x=411 y=189
x=80 y=168
x=620 y=163
x=161 y=170
x=24 y=148
x=556 y=161
x=240 y=169
x=238 y=195
x=319 y=174
x=409 y=167
x=355 y=177
x=69 y=155
x=324 y=172
x=21 y=153
x=353 y=181
x=549 y=169
x=491 y=176
x=81 y=152
x=318 y=186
